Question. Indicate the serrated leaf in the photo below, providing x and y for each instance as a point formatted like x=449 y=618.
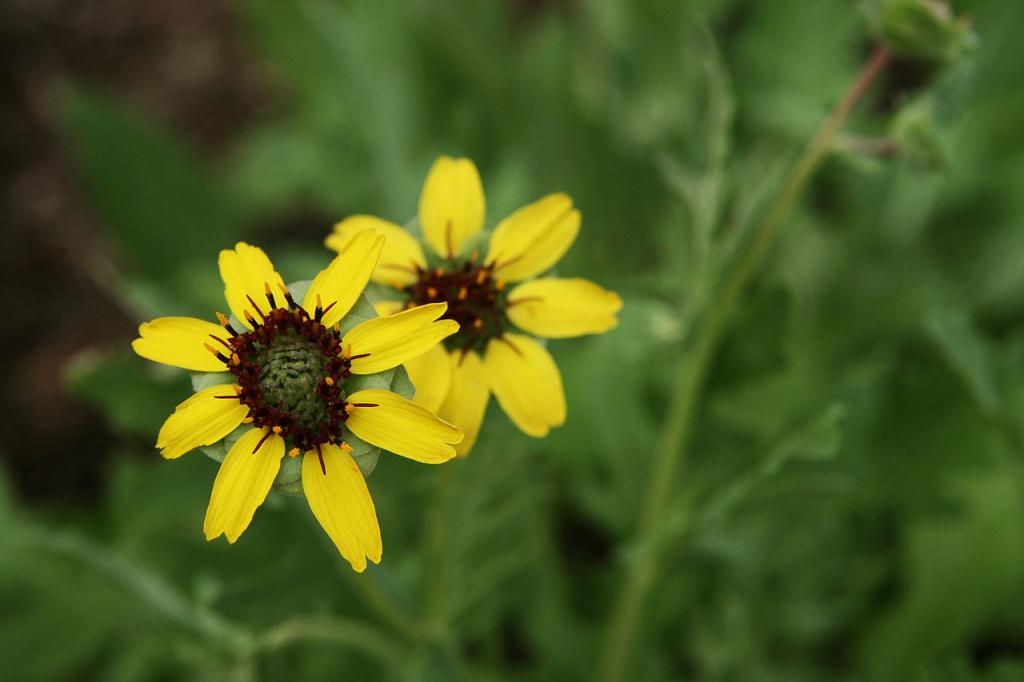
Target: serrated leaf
x=816 y=440
x=819 y=439
x=952 y=330
x=959 y=567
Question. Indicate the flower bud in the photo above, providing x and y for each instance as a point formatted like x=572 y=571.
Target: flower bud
x=922 y=29
x=916 y=134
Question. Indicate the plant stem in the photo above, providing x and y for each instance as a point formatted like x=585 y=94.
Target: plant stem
x=342 y=631
x=436 y=616
x=381 y=604
x=672 y=446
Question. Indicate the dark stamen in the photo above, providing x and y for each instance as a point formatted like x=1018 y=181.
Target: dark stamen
x=495 y=266
x=222 y=341
x=256 y=307
x=287 y=296
x=220 y=356
x=525 y=299
x=223 y=319
x=511 y=345
x=395 y=266
x=262 y=441
x=270 y=295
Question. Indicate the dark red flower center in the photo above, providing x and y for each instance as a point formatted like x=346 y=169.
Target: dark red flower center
x=290 y=369
x=475 y=298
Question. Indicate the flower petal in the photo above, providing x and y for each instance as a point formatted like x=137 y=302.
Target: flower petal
x=559 y=308
x=451 y=205
x=466 y=400
x=533 y=238
x=389 y=341
x=401 y=426
x=203 y=419
x=339 y=285
x=431 y=374
x=526 y=382
x=178 y=341
x=247 y=272
x=340 y=501
x=386 y=308
x=401 y=256
x=242 y=483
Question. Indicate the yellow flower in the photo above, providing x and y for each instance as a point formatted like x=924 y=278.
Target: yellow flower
x=489 y=354
x=284 y=367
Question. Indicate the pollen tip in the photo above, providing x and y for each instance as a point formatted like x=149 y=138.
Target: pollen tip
x=329 y=381
x=222 y=318
x=294 y=452
x=277 y=429
x=345 y=447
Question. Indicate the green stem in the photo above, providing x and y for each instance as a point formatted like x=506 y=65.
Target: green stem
x=436 y=614
x=376 y=600
x=342 y=631
x=671 y=448
x=381 y=604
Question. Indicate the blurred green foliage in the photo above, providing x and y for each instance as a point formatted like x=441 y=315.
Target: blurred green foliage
x=855 y=485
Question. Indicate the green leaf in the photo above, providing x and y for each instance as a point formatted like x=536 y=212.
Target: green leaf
x=959 y=569
x=152 y=193
x=951 y=329
x=117 y=384
x=818 y=439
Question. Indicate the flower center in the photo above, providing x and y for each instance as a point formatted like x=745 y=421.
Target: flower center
x=476 y=300
x=290 y=369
